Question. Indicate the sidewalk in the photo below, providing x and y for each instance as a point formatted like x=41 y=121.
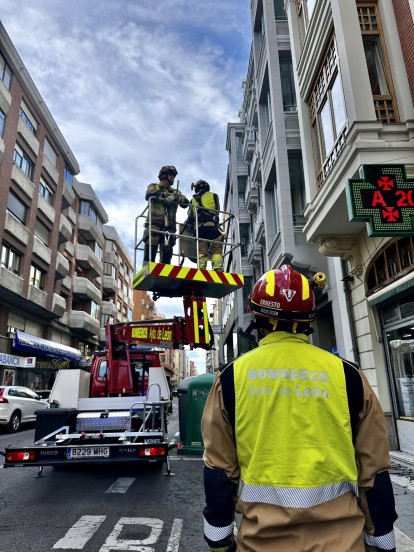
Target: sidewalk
x=402 y=477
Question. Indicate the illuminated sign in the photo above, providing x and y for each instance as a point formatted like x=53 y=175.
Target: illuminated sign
x=384 y=198
x=154 y=333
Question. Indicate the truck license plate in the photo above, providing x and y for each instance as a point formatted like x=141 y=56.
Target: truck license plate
x=87 y=452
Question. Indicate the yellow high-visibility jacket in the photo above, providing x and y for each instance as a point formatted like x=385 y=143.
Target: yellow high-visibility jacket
x=295 y=440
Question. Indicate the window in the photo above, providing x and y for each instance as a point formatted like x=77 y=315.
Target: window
x=68 y=175
x=241 y=186
x=50 y=152
x=106 y=318
x=121 y=262
x=328 y=117
x=244 y=238
x=377 y=63
x=16 y=208
x=124 y=310
x=102 y=369
x=126 y=270
x=42 y=232
x=5 y=72
x=395 y=259
x=126 y=289
x=45 y=191
x=28 y=118
x=275 y=209
x=239 y=146
x=23 y=161
x=247 y=289
x=280 y=12
x=88 y=210
x=2 y=121
x=10 y=259
x=268 y=112
x=305 y=9
x=287 y=81
x=131 y=294
x=95 y=310
x=98 y=251
x=37 y=277
x=118 y=305
x=297 y=187
x=130 y=314
x=120 y=283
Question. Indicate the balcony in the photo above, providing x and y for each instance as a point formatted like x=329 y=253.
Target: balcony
x=45 y=208
x=85 y=290
x=252 y=199
x=256 y=168
x=87 y=259
x=109 y=284
x=102 y=335
x=89 y=230
x=254 y=253
x=68 y=196
x=111 y=257
x=259 y=232
x=28 y=136
x=58 y=305
x=10 y=282
x=42 y=251
x=83 y=323
x=22 y=181
x=50 y=169
x=67 y=282
x=5 y=98
x=70 y=248
x=37 y=296
x=65 y=229
x=62 y=267
x=16 y=229
x=108 y=308
x=249 y=146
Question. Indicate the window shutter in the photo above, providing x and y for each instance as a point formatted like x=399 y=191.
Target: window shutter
x=15 y=206
x=50 y=152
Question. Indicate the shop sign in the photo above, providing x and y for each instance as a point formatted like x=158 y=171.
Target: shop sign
x=216 y=328
x=384 y=198
x=17 y=361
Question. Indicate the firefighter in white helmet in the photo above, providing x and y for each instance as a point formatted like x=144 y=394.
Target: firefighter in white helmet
x=294 y=439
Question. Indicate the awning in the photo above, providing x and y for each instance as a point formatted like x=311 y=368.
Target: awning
x=391 y=290
x=33 y=344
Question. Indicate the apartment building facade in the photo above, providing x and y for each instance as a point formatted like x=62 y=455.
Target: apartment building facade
x=354 y=88
x=54 y=294
x=265 y=188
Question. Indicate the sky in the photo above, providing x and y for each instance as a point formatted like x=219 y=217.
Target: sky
x=134 y=85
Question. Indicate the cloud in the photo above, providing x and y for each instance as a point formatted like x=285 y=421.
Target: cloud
x=134 y=85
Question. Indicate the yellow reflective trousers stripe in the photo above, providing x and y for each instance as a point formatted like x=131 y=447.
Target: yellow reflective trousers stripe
x=293 y=426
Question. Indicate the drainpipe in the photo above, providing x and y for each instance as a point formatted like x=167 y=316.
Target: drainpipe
x=346 y=281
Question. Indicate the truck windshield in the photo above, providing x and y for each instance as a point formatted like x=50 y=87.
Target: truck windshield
x=140 y=370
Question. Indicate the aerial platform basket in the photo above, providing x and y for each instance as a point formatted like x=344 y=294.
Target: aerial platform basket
x=178 y=281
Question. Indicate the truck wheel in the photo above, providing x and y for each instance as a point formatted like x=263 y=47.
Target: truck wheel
x=14 y=423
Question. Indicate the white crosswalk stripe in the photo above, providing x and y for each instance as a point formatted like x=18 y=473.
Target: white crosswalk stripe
x=121 y=485
x=79 y=534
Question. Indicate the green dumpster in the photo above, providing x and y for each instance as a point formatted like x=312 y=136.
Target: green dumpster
x=197 y=393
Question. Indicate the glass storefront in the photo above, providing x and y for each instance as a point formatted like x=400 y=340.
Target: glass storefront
x=398 y=326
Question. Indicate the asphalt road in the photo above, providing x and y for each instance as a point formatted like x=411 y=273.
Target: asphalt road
x=103 y=509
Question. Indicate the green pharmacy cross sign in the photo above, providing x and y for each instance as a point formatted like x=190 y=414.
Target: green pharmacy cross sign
x=384 y=197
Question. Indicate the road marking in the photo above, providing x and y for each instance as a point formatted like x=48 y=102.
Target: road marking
x=174 y=540
x=402 y=481
x=80 y=533
x=403 y=543
x=121 y=485
x=112 y=543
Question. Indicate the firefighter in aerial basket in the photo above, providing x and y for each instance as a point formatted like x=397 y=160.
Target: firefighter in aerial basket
x=294 y=439
x=208 y=225
x=163 y=216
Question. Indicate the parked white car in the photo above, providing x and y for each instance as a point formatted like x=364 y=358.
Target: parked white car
x=18 y=406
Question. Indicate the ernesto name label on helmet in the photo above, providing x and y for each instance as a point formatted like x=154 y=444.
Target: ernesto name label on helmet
x=271 y=304
x=308 y=390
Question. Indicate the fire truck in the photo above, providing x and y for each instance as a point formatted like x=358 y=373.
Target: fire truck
x=117 y=413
